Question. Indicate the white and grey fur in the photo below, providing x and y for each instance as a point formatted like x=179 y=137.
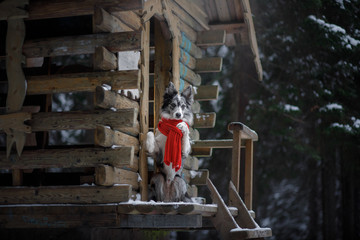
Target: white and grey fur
x=168 y=185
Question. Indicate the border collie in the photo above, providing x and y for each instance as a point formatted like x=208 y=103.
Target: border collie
x=171 y=145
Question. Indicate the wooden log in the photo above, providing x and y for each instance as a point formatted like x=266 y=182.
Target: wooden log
x=176 y=71
x=110 y=99
x=64 y=194
x=13 y=9
x=106 y=22
x=144 y=107
x=211 y=38
x=46 y=121
x=15 y=121
x=194 y=134
x=195 y=177
x=206 y=92
x=258 y=233
x=104 y=59
x=191 y=163
x=41 y=9
x=187 y=59
x=107 y=137
x=71 y=158
x=245 y=131
x=108 y=176
x=201 y=152
x=204 y=120
x=194 y=11
x=82 y=44
x=189 y=75
x=80 y=82
x=205 y=65
x=17 y=177
x=130 y=18
x=190 y=47
x=223 y=143
x=192 y=190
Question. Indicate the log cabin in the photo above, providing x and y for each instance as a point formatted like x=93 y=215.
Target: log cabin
x=117 y=56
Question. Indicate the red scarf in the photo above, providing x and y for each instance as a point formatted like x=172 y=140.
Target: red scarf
x=173 y=141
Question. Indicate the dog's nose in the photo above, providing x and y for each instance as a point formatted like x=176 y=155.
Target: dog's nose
x=178 y=115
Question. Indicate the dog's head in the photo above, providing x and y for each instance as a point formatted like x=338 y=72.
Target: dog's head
x=177 y=106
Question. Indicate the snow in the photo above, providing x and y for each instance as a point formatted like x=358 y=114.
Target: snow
x=345 y=127
x=330 y=107
x=346 y=40
x=291 y=108
x=356 y=123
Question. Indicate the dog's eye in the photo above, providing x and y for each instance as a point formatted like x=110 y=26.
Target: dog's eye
x=183 y=106
x=173 y=105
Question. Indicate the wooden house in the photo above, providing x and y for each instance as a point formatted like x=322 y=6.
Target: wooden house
x=96 y=184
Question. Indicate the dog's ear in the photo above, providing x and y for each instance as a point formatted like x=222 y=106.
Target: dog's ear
x=171 y=90
x=188 y=95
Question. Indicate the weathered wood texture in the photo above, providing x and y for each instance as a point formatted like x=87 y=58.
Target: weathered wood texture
x=46 y=121
x=82 y=44
x=198 y=177
x=205 y=65
x=40 y=9
x=64 y=194
x=206 y=92
x=204 y=120
x=13 y=9
x=191 y=163
x=109 y=99
x=107 y=137
x=194 y=134
x=104 y=59
x=194 y=11
x=82 y=82
x=192 y=190
x=189 y=75
x=71 y=158
x=130 y=18
x=211 y=38
x=187 y=59
x=223 y=143
x=190 y=47
x=108 y=176
x=248 y=181
x=106 y=22
x=246 y=132
x=201 y=152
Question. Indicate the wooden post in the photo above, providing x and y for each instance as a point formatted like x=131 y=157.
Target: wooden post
x=248 y=192
x=144 y=108
x=236 y=153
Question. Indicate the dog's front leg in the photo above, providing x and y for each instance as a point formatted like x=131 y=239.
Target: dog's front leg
x=152 y=146
x=185 y=141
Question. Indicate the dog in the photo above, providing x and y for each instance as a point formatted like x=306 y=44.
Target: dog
x=168 y=186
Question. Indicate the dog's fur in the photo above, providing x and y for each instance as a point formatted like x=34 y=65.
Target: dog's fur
x=168 y=185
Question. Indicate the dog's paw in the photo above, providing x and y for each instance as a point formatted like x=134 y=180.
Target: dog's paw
x=183 y=127
x=150 y=142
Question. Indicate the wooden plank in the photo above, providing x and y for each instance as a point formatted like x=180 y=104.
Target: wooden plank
x=106 y=175
x=259 y=233
x=129 y=18
x=223 y=11
x=71 y=158
x=223 y=143
x=187 y=59
x=17 y=177
x=189 y=46
x=144 y=107
x=189 y=75
x=82 y=82
x=248 y=181
x=13 y=9
x=194 y=11
x=191 y=163
x=176 y=72
x=211 y=38
x=104 y=59
x=229 y=27
x=82 y=44
x=246 y=132
x=198 y=177
x=196 y=107
x=205 y=65
x=107 y=137
x=236 y=157
x=106 y=22
x=46 y=121
x=204 y=120
x=223 y=220
x=109 y=99
x=206 y=92
x=41 y=9
x=160 y=221
x=201 y=152
x=192 y=190
x=64 y=194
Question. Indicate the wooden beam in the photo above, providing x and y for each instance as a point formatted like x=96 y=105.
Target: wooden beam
x=71 y=158
x=144 y=107
x=206 y=92
x=189 y=46
x=246 y=132
x=187 y=59
x=108 y=176
x=13 y=9
x=191 y=163
x=46 y=121
x=41 y=9
x=204 y=120
x=189 y=75
x=201 y=152
x=211 y=38
x=205 y=65
x=223 y=143
x=130 y=18
x=107 y=137
x=82 y=44
x=106 y=22
x=82 y=82
x=194 y=11
x=193 y=177
x=109 y=99
x=104 y=59
x=64 y=194
x=229 y=27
